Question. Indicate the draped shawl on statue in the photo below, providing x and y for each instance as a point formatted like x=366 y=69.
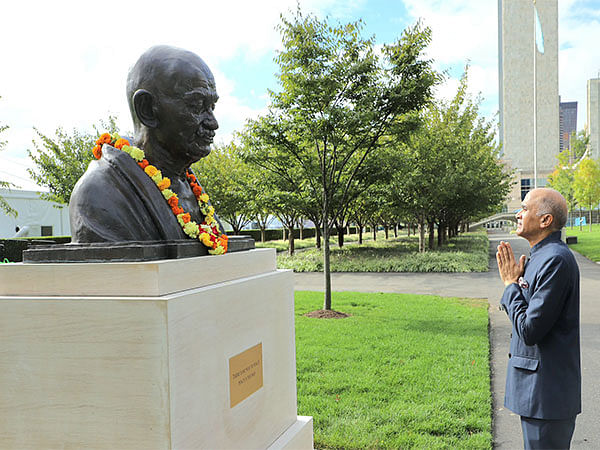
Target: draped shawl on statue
x=116 y=201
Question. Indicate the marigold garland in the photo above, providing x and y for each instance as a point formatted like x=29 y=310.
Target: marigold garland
x=208 y=231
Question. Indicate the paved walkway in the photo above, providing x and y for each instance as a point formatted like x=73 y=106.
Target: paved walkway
x=507 y=428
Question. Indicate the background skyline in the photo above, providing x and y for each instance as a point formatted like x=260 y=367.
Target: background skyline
x=64 y=63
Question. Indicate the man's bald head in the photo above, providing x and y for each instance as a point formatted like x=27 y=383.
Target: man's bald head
x=550 y=201
x=163 y=70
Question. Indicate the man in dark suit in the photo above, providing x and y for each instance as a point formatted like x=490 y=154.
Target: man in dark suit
x=541 y=298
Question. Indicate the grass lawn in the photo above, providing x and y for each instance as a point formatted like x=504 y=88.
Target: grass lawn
x=466 y=253
x=588 y=243
x=404 y=371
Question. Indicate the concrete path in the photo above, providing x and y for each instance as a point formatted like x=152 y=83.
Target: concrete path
x=507 y=427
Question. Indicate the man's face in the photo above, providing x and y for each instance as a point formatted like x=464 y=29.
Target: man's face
x=528 y=222
x=186 y=121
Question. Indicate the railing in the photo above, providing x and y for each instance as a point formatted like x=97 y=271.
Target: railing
x=494 y=218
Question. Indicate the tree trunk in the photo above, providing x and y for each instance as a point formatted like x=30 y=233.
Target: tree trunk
x=291 y=239
x=326 y=254
x=570 y=216
x=590 y=218
x=301 y=225
x=360 y=231
x=262 y=234
x=396 y=230
x=340 y=230
x=431 y=230
x=387 y=231
x=284 y=234
x=374 y=226
x=421 y=228
x=580 y=221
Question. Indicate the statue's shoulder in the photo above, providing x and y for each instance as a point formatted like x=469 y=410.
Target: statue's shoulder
x=105 y=176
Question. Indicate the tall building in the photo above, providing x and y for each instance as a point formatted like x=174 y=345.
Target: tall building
x=527 y=85
x=568 y=122
x=593 y=116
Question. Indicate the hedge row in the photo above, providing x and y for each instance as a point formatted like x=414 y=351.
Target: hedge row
x=273 y=235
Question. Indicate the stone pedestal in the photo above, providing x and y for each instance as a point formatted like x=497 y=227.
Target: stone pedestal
x=184 y=354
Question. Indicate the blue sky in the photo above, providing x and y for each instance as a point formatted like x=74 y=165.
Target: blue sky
x=64 y=63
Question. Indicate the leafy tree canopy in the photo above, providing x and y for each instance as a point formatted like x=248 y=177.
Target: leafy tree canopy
x=61 y=160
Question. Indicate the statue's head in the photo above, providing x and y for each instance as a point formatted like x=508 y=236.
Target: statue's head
x=171 y=94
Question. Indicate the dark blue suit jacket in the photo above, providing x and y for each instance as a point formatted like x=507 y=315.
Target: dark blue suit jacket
x=543 y=379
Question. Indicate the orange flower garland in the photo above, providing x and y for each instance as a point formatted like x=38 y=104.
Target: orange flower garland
x=208 y=231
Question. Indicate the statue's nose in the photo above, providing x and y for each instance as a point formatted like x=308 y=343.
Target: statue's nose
x=211 y=122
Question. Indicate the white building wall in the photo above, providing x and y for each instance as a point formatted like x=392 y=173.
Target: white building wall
x=33 y=213
x=516 y=36
x=593 y=116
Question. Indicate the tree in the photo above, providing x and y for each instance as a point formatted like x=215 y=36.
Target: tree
x=563 y=176
x=338 y=97
x=5 y=184
x=449 y=172
x=226 y=179
x=63 y=159
x=579 y=144
x=586 y=184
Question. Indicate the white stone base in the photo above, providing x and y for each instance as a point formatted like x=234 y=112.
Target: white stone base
x=298 y=436
x=150 y=369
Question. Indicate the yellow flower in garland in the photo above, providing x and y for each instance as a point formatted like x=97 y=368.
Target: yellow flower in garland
x=150 y=170
x=205 y=239
x=164 y=184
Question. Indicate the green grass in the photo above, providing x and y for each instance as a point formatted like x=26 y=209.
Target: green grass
x=466 y=253
x=588 y=243
x=404 y=371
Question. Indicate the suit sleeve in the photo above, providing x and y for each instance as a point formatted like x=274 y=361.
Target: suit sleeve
x=533 y=321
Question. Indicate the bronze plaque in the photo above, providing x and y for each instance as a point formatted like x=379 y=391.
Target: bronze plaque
x=245 y=374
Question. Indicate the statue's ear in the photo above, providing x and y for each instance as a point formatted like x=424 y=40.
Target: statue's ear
x=144 y=106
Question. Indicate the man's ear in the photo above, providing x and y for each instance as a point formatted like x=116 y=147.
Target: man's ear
x=144 y=106
x=547 y=221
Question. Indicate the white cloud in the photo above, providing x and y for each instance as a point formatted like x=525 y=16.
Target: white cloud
x=64 y=63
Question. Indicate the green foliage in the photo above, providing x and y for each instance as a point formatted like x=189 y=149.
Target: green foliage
x=563 y=176
x=228 y=182
x=588 y=242
x=579 y=143
x=467 y=253
x=4 y=206
x=338 y=96
x=404 y=371
x=61 y=160
x=586 y=184
x=449 y=170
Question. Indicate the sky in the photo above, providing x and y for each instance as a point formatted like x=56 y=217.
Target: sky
x=64 y=63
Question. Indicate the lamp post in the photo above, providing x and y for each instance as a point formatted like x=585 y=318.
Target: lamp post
x=538 y=46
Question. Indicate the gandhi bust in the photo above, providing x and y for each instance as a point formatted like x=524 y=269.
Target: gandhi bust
x=171 y=95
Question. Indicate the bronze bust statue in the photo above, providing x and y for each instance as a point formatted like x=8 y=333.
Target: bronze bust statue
x=171 y=94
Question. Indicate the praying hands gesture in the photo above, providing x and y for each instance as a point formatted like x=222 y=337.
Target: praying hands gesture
x=508 y=268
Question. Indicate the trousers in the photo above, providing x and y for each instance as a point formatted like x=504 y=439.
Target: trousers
x=547 y=434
